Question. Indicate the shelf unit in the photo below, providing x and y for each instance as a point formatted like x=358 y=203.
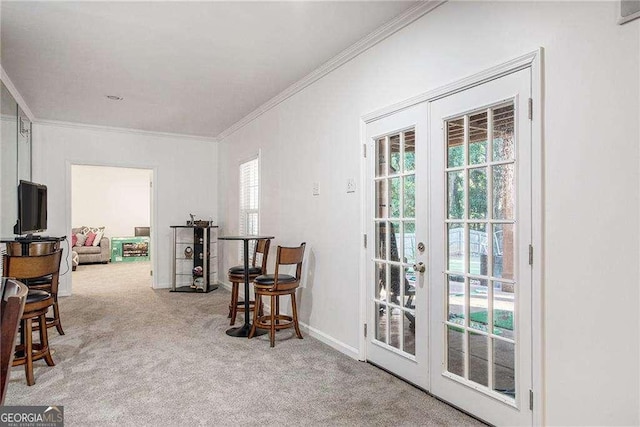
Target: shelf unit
x=202 y=254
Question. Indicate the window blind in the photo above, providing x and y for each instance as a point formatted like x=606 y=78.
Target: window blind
x=249 y=200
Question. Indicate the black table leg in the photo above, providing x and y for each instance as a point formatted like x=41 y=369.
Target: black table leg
x=243 y=331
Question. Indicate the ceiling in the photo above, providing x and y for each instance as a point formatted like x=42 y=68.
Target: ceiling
x=192 y=68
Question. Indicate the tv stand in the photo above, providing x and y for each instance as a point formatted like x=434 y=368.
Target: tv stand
x=33 y=238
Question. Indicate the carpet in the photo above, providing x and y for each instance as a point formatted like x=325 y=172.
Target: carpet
x=133 y=356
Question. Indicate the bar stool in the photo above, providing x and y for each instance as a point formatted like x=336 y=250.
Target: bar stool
x=274 y=286
x=236 y=276
x=45 y=283
x=36 y=306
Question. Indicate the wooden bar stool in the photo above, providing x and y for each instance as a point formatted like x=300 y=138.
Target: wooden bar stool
x=274 y=286
x=45 y=283
x=236 y=276
x=36 y=306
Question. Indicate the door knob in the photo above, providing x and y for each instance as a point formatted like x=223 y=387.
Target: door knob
x=419 y=267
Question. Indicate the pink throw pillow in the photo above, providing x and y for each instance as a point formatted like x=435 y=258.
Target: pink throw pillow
x=90 y=238
x=74 y=240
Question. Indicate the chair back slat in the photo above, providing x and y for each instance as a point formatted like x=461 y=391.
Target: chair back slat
x=14 y=297
x=262 y=248
x=31 y=267
x=35 y=248
x=289 y=256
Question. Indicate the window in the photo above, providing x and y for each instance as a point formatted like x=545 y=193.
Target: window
x=249 y=199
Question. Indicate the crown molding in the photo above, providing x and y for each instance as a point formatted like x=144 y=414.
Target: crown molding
x=337 y=61
x=124 y=130
x=16 y=95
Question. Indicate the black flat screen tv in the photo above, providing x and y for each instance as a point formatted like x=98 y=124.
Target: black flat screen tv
x=32 y=208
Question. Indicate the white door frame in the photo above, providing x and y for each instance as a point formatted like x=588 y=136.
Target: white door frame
x=534 y=61
x=153 y=213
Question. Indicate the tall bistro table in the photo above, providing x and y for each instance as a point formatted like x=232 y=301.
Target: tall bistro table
x=243 y=331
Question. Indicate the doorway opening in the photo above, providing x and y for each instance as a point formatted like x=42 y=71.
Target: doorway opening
x=111 y=217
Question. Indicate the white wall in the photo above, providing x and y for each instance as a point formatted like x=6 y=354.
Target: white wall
x=8 y=171
x=591 y=181
x=117 y=198
x=184 y=178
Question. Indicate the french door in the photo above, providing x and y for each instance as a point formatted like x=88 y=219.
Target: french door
x=480 y=329
x=449 y=280
x=397 y=325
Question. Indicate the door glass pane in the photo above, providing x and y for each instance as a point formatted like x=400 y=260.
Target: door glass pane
x=455 y=301
x=409 y=289
x=504 y=378
x=478 y=304
x=503 y=309
x=455 y=195
x=394 y=196
x=381 y=156
x=456 y=245
x=380 y=251
x=503 y=251
x=397 y=278
x=478 y=359
x=409 y=196
x=382 y=199
x=409 y=151
x=478 y=138
x=409 y=242
x=381 y=322
x=395 y=327
x=394 y=155
x=381 y=281
x=455 y=143
x=477 y=248
x=503 y=133
x=455 y=350
x=478 y=193
x=503 y=192
x=394 y=238
x=410 y=331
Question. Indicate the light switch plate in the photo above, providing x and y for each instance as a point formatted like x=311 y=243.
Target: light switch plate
x=316 y=188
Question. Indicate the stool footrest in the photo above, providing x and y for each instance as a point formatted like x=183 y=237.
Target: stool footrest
x=39 y=352
x=264 y=322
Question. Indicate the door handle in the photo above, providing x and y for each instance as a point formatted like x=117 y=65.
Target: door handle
x=419 y=267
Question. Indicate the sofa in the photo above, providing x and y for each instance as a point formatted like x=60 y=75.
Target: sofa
x=92 y=254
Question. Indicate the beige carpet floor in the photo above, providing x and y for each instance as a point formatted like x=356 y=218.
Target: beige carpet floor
x=137 y=357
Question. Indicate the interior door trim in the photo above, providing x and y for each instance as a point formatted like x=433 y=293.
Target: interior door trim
x=520 y=63
x=534 y=61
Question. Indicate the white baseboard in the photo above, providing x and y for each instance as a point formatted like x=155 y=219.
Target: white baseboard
x=225 y=285
x=313 y=332
x=330 y=341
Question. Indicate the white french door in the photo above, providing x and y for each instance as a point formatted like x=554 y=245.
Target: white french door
x=450 y=187
x=397 y=315
x=480 y=227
